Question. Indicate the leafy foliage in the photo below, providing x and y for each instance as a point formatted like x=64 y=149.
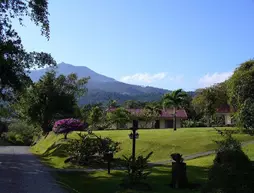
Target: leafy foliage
x=246 y=115
x=192 y=123
x=232 y=170
x=97 y=119
x=241 y=84
x=90 y=147
x=134 y=104
x=50 y=97
x=137 y=170
x=175 y=100
x=241 y=93
x=86 y=109
x=68 y=125
x=205 y=102
x=119 y=117
x=15 y=62
x=20 y=133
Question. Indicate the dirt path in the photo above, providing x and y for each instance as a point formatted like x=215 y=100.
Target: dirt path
x=22 y=172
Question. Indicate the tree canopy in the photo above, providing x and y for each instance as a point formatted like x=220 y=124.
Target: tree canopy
x=241 y=84
x=15 y=61
x=241 y=93
x=119 y=117
x=53 y=96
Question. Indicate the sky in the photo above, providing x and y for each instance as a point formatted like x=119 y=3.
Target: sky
x=168 y=44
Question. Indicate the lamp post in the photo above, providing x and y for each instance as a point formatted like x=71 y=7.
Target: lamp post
x=134 y=135
x=108 y=156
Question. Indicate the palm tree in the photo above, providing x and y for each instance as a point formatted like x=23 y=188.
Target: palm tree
x=174 y=99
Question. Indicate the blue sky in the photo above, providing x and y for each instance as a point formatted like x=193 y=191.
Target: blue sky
x=164 y=43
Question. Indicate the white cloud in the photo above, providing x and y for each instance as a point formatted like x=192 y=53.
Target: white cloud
x=161 y=79
x=145 y=78
x=211 y=79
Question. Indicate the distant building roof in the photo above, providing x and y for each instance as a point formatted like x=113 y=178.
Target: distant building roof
x=224 y=109
x=168 y=113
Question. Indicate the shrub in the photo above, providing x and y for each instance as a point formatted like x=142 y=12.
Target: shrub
x=193 y=123
x=137 y=170
x=66 y=126
x=20 y=133
x=89 y=148
x=232 y=171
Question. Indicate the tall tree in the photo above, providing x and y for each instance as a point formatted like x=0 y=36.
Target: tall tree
x=119 y=117
x=15 y=61
x=97 y=118
x=174 y=99
x=49 y=98
x=150 y=115
x=241 y=93
x=86 y=109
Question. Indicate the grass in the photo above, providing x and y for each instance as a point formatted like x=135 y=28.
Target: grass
x=162 y=142
x=159 y=180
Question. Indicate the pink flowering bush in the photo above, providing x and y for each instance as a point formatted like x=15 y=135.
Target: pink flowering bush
x=66 y=126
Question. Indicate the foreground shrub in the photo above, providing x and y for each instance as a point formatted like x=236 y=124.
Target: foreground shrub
x=20 y=133
x=89 y=148
x=137 y=171
x=232 y=171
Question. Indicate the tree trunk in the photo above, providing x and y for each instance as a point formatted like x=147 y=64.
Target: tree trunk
x=174 y=119
x=65 y=135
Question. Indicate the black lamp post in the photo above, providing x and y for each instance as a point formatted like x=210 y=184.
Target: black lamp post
x=108 y=156
x=134 y=135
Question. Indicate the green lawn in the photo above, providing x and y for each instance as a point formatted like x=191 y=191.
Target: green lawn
x=159 y=180
x=162 y=142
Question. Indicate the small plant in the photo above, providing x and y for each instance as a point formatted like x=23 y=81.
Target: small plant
x=137 y=170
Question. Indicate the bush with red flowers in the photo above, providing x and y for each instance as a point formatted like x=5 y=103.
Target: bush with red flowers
x=65 y=126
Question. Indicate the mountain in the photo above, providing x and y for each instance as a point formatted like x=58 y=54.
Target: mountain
x=102 y=88
x=65 y=69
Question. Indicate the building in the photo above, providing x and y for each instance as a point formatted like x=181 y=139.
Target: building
x=226 y=112
x=164 y=120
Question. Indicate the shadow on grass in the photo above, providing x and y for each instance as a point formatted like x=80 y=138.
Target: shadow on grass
x=56 y=149
x=98 y=182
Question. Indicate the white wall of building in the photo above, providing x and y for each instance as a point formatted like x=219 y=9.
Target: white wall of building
x=227 y=118
x=145 y=125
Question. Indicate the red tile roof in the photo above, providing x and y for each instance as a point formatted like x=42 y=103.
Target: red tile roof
x=168 y=113
x=224 y=109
